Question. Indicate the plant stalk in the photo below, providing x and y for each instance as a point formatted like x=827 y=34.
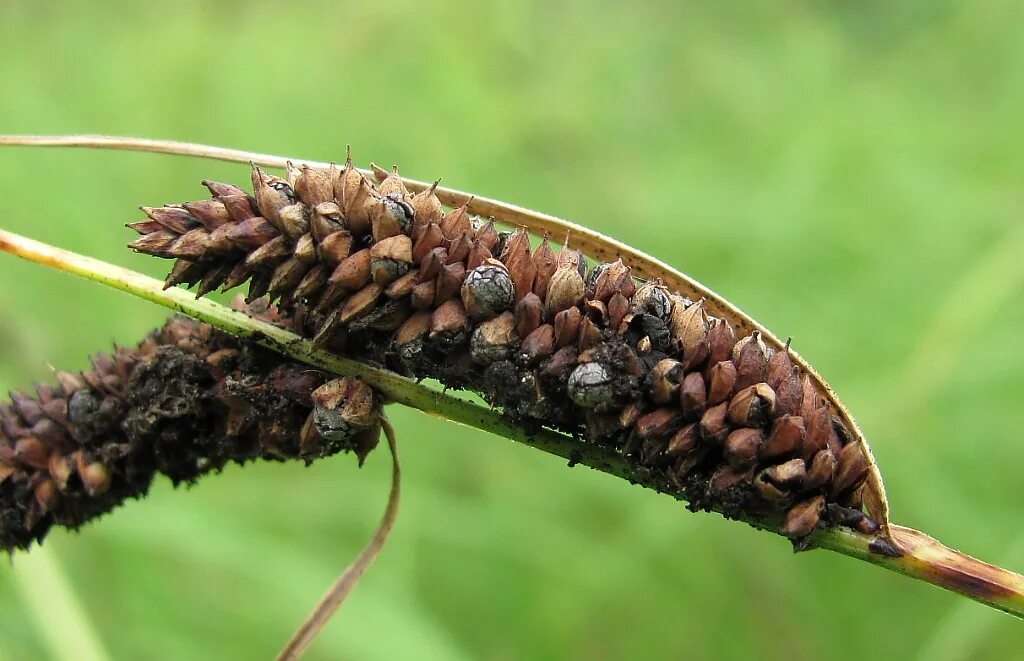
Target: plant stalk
x=918 y=556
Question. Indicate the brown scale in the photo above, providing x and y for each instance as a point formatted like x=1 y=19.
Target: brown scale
x=382 y=275
x=184 y=402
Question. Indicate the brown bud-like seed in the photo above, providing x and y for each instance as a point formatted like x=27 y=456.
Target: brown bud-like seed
x=426 y=206
x=449 y=282
x=315 y=186
x=30 y=451
x=457 y=223
x=853 y=467
x=721 y=382
x=611 y=280
x=692 y=396
x=664 y=379
x=356 y=197
x=269 y=254
x=753 y=406
x=589 y=334
x=360 y=303
x=293 y=220
x=493 y=340
x=94 y=475
x=564 y=290
x=811 y=400
x=618 y=308
x=211 y=213
x=713 y=424
x=432 y=264
x=660 y=423
x=544 y=262
x=529 y=312
x=172 y=217
x=790 y=474
x=820 y=434
x=335 y=247
x=727 y=477
x=353 y=272
x=803 y=517
x=774 y=494
x=488 y=236
x=459 y=249
x=422 y=297
x=449 y=324
x=750 y=356
x=478 y=255
x=272 y=194
x=689 y=325
x=721 y=340
x=403 y=286
x=516 y=256
x=780 y=366
x=156 y=244
x=487 y=291
x=567 y=325
x=538 y=345
x=389 y=183
x=326 y=219
x=789 y=394
x=250 y=234
x=683 y=441
x=822 y=470
x=742 y=446
x=60 y=468
x=787 y=436
x=427 y=239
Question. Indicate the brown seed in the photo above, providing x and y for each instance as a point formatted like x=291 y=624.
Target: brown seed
x=389 y=183
x=789 y=394
x=519 y=261
x=426 y=206
x=250 y=234
x=529 y=312
x=60 y=468
x=315 y=186
x=612 y=280
x=272 y=194
x=853 y=467
x=689 y=325
x=390 y=259
x=802 y=518
x=811 y=400
x=457 y=223
x=403 y=286
x=692 y=396
x=478 y=255
x=94 y=475
x=414 y=328
x=780 y=366
x=293 y=220
x=423 y=295
x=753 y=406
x=787 y=436
x=589 y=334
x=174 y=218
x=431 y=265
x=544 y=262
x=659 y=423
x=538 y=344
x=618 y=308
x=664 y=379
x=565 y=290
x=428 y=238
x=353 y=272
x=721 y=382
x=30 y=451
x=360 y=303
x=335 y=247
x=778 y=496
x=211 y=213
x=269 y=254
x=750 y=356
x=741 y=447
x=459 y=249
x=684 y=441
x=819 y=427
x=713 y=425
x=326 y=219
x=449 y=323
x=488 y=236
x=790 y=474
x=822 y=470
x=727 y=477
x=567 y=325
x=449 y=282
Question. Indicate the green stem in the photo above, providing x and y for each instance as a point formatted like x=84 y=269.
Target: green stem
x=921 y=556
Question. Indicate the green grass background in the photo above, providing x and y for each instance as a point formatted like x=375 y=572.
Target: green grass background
x=848 y=173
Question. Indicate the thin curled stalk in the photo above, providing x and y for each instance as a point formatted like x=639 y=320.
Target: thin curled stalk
x=342 y=587
x=923 y=557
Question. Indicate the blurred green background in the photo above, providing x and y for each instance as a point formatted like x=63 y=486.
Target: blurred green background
x=848 y=173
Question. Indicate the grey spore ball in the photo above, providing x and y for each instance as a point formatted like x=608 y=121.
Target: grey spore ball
x=590 y=385
x=488 y=291
x=332 y=425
